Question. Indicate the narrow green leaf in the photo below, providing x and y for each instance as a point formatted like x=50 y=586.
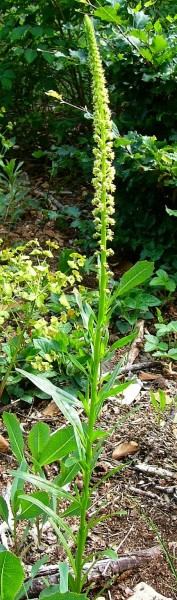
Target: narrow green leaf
x=18 y=484
x=48 y=511
x=42 y=484
x=15 y=435
x=111 y=379
x=63 y=572
x=123 y=341
x=118 y=389
x=75 y=362
x=4 y=513
x=11 y=575
x=46 y=386
x=25 y=587
x=38 y=438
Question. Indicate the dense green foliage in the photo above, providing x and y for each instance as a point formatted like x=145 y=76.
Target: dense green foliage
x=43 y=47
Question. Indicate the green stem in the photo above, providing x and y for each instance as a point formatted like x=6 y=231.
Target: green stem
x=82 y=533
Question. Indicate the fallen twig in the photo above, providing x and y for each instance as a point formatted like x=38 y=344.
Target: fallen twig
x=141 y=492
x=153 y=470
x=102 y=569
x=140 y=366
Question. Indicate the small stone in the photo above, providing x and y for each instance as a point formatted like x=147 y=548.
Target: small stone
x=142 y=591
x=124 y=449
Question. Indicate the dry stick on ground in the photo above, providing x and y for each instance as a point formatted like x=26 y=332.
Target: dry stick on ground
x=103 y=569
x=153 y=470
x=140 y=366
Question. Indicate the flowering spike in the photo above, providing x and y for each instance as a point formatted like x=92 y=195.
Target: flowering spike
x=103 y=170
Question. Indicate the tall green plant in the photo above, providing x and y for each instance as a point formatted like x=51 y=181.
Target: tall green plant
x=88 y=437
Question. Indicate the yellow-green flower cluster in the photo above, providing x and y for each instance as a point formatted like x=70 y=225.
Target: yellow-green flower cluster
x=103 y=170
x=25 y=277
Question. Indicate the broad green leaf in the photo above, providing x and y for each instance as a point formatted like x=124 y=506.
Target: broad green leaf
x=159 y=44
x=107 y=13
x=18 y=32
x=38 y=438
x=28 y=510
x=145 y=52
x=67 y=474
x=51 y=591
x=172 y=353
x=73 y=510
x=11 y=575
x=132 y=278
x=61 y=443
x=49 y=57
x=15 y=435
x=37 y=31
x=65 y=403
x=4 y=513
x=112 y=554
x=59 y=596
x=163 y=399
x=30 y=55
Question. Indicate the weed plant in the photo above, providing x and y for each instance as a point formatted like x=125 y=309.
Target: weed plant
x=80 y=442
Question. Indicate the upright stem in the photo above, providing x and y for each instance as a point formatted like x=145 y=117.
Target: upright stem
x=82 y=533
x=104 y=208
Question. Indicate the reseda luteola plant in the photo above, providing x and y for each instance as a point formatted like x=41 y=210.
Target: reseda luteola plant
x=83 y=452
x=103 y=209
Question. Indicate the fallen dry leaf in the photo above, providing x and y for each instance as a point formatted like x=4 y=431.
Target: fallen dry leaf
x=152 y=377
x=51 y=409
x=136 y=344
x=4 y=444
x=131 y=392
x=124 y=449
